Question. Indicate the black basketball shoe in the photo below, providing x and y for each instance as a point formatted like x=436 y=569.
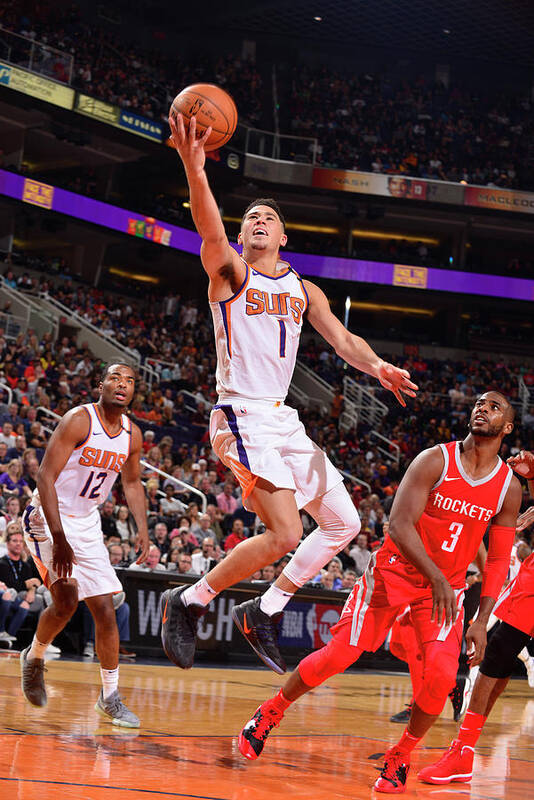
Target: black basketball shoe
x=260 y=631
x=179 y=625
x=402 y=716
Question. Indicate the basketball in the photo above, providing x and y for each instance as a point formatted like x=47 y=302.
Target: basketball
x=211 y=105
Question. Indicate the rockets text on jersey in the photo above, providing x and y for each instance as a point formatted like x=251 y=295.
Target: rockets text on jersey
x=457 y=514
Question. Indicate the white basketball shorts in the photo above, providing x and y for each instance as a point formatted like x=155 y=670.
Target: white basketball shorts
x=92 y=571
x=266 y=439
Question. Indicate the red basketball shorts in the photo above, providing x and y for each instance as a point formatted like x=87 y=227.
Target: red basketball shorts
x=379 y=597
x=516 y=603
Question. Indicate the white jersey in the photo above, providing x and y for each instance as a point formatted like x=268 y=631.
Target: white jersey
x=257 y=333
x=93 y=466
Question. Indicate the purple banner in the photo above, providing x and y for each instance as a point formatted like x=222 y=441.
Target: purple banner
x=51 y=198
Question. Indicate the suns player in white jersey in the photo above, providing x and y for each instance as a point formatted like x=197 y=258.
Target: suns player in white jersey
x=258 y=304
x=91 y=445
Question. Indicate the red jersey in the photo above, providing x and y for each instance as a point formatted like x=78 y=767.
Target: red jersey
x=455 y=517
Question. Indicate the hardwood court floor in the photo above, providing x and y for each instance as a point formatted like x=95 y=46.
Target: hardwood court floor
x=329 y=744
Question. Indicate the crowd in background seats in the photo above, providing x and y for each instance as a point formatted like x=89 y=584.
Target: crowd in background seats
x=421 y=129
x=370 y=122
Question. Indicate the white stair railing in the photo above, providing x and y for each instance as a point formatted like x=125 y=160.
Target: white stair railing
x=369 y=408
x=526 y=396
x=391 y=451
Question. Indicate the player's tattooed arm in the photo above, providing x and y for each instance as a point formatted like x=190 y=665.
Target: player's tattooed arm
x=72 y=429
x=135 y=494
x=409 y=504
x=355 y=350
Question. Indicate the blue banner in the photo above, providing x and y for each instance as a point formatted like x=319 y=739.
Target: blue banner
x=141 y=125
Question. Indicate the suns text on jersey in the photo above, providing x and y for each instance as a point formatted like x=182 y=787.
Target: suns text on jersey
x=102 y=459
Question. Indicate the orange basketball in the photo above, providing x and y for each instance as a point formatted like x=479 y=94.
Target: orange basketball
x=211 y=105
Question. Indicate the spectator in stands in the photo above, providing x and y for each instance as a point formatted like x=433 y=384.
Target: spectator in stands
x=161 y=537
x=205 y=560
x=153 y=501
x=109 y=526
x=360 y=553
x=237 y=534
x=267 y=573
x=226 y=500
x=8 y=436
x=152 y=563
x=12 y=481
x=124 y=523
x=173 y=555
x=184 y=565
x=349 y=579
x=170 y=505
x=116 y=555
x=216 y=517
x=17 y=450
x=204 y=528
x=19 y=575
x=30 y=472
x=12 y=513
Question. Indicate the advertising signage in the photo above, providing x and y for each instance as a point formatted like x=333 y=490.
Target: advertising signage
x=164 y=233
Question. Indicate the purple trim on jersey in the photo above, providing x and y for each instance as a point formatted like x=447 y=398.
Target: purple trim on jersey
x=282 y=338
x=232 y=422
x=225 y=323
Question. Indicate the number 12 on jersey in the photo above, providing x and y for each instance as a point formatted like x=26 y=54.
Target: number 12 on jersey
x=100 y=478
x=456 y=528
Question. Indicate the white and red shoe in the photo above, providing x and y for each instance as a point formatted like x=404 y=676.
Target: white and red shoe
x=456 y=764
x=252 y=738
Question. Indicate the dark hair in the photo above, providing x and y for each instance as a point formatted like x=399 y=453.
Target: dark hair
x=106 y=368
x=265 y=201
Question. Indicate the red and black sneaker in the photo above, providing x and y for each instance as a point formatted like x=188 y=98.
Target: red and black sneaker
x=252 y=738
x=392 y=779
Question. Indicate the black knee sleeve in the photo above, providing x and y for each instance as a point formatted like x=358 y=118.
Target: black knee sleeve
x=502 y=651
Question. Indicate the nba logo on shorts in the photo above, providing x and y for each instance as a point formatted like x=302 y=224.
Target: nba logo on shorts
x=392 y=559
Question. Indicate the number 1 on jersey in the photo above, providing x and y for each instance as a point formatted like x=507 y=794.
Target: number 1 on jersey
x=456 y=528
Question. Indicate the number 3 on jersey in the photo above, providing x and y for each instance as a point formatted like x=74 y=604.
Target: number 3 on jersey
x=456 y=528
x=96 y=488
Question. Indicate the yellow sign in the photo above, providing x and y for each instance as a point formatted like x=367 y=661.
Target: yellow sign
x=36 y=86
x=105 y=112
x=413 y=277
x=38 y=194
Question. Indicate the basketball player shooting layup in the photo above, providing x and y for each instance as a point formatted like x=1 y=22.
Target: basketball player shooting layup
x=446 y=499
x=91 y=445
x=515 y=609
x=258 y=304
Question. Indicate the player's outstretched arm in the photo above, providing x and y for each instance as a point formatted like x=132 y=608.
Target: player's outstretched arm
x=355 y=350
x=218 y=258
x=409 y=504
x=135 y=494
x=72 y=429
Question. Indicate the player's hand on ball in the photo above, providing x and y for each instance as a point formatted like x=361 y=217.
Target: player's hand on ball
x=523 y=464
x=62 y=558
x=397 y=381
x=525 y=520
x=190 y=147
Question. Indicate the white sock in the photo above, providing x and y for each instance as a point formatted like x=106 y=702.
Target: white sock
x=37 y=650
x=199 y=594
x=110 y=681
x=274 y=600
x=524 y=656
